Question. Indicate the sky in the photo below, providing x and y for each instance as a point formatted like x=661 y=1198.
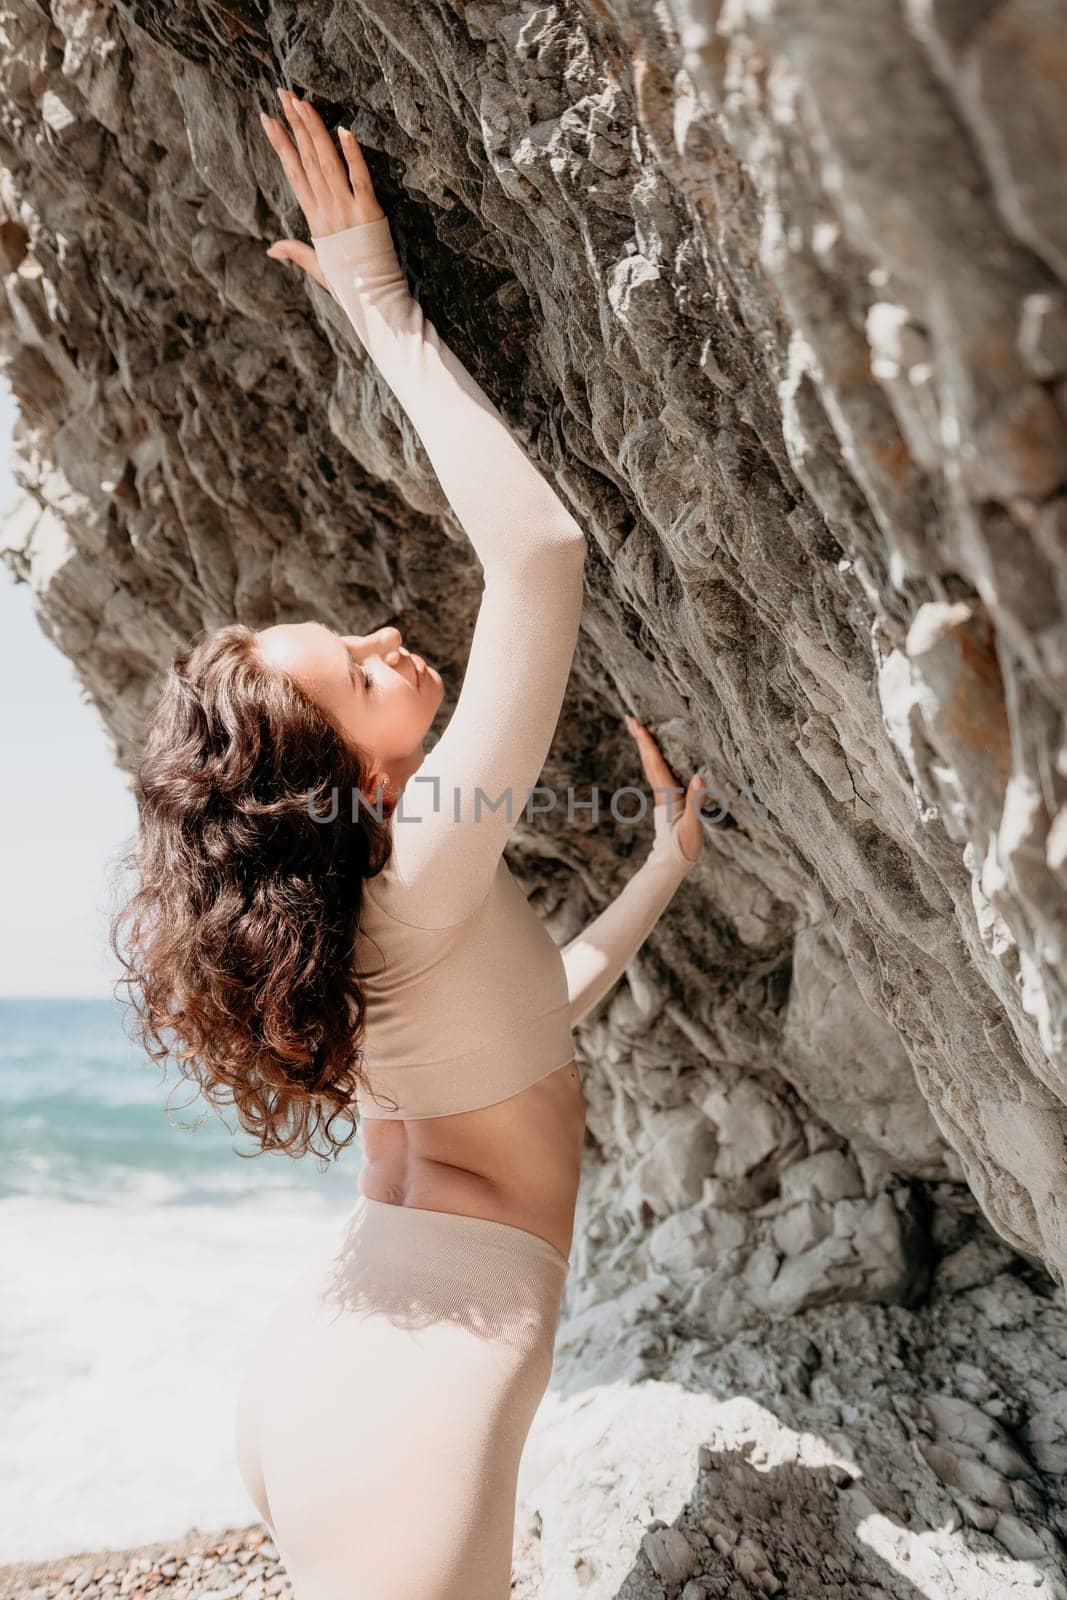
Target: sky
x=65 y=810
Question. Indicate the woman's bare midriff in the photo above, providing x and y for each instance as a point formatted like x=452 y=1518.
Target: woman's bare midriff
x=518 y=1161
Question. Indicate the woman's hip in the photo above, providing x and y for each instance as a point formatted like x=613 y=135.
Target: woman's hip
x=419 y=1268
x=396 y=1383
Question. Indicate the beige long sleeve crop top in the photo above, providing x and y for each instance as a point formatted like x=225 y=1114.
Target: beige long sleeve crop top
x=468 y=998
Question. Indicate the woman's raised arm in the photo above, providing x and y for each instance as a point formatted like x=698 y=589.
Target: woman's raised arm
x=461 y=806
x=596 y=958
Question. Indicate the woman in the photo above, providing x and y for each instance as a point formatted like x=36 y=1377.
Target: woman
x=384 y=1411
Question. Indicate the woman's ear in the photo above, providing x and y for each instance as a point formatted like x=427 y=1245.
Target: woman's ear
x=372 y=783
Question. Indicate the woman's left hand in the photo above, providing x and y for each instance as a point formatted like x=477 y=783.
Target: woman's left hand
x=684 y=804
x=330 y=197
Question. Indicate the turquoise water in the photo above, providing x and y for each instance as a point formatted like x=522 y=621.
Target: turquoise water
x=86 y=1116
x=140 y=1256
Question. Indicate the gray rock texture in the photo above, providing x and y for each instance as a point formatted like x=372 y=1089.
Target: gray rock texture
x=773 y=290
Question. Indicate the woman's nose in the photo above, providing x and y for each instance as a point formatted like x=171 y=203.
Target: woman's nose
x=388 y=642
x=381 y=641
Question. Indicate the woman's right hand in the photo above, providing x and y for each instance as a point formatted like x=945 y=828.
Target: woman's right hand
x=674 y=808
x=331 y=197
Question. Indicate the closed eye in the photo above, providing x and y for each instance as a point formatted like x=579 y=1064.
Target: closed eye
x=364 y=677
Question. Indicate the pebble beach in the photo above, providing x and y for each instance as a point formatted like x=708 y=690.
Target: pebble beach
x=236 y=1562
x=241 y=1561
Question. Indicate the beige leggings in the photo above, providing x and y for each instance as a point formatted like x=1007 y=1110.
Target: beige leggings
x=385 y=1407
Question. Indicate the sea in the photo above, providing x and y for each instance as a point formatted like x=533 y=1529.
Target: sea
x=143 y=1242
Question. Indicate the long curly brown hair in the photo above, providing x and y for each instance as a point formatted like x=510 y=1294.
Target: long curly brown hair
x=238 y=941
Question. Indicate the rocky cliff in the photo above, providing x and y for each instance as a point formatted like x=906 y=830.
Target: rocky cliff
x=773 y=291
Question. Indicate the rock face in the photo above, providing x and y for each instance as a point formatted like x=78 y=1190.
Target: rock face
x=773 y=290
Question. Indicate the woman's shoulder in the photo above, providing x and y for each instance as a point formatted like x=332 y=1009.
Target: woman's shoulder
x=389 y=897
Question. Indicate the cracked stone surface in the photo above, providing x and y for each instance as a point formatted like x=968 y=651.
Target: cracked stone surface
x=773 y=290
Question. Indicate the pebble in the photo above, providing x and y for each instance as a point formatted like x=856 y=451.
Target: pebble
x=237 y=1564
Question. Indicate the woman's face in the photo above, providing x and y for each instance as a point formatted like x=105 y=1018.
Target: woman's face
x=382 y=696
